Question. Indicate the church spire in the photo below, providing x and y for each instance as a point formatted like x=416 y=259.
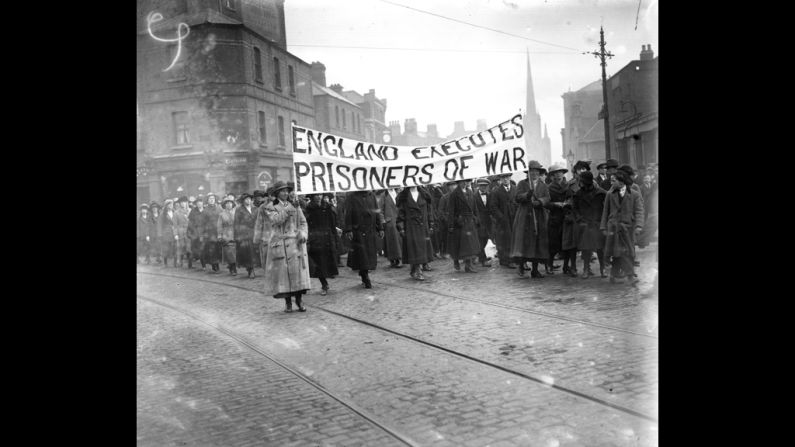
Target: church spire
x=531 y=100
x=546 y=134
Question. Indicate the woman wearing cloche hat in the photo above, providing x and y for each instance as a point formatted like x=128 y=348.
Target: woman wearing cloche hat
x=226 y=235
x=245 y=218
x=287 y=266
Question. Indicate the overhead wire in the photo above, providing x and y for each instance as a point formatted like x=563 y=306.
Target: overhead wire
x=451 y=50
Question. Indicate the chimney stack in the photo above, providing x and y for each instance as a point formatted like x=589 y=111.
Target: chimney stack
x=458 y=127
x=432 y=131
x=318 y=73
x=410 y=127
x=336 y=87
x=646 y=54
x=481 y=125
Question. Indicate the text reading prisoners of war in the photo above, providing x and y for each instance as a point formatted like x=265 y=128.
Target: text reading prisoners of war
x=325 y=162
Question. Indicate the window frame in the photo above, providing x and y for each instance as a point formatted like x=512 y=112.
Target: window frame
x=282 y=138
x=181 y=127
x=262 y=128
x=277 y=74
x=258 y=65
x=291 y=79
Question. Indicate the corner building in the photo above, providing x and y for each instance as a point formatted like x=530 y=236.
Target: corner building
x=219 y=119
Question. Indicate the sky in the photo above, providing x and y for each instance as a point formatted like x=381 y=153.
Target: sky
x=440 y=71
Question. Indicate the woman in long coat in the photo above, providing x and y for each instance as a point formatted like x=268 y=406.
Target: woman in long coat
x=322 y=222
x=561 y=228
x=262 y=228
x=154 y=223
x=392 y=240
x=212 y=248
x=530 y=241
x=502 y=207
x=363 y=224
x=196 y=231
x=462 y=227
x=144 y=232
x=245 y=219
x=226 y=235
x=286 y=267
x=181 y=225
x=168 y=233
x=415 y=224
x=587 y=205
x=622 y=220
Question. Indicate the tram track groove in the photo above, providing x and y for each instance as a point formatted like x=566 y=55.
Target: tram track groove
x=440 y=348
x=252 y=346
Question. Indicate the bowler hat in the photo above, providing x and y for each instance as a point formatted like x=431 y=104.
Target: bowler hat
x=556 y=167
x=601 y=165
x=483 y=181
x=582 y=165
x=278 y=186
x=611 y=163
x=534 y=165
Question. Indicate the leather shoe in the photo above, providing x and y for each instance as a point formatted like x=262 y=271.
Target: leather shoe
x=555 y=267
x=426 y=268
x=457 y=266
x=469 y=269
x=301 y=308
x=418 y=276
x=323 y=292
x=536 y=274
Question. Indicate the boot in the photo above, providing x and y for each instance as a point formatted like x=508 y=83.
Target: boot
x=548 y=268
x=175 y=262
x=535 y=273
x=250 y=272
x=165 y=262
x=288 y=304
x=456 y=265
x=365 y=279
x=190 y=262
x=468 y=266
x=301 y=308
x=521 y=272
x=426 y=268
x=234 y=269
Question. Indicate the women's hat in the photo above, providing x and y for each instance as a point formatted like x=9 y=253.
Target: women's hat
x=611 y=163
x=278 y=186
x=213 y=195
x=542 y=171
x=191 y=199
x=223 y=204
x=243 y=197
x=627 y=168
x=269 y=191
x=154 y=205
x=165 y=204
x=534 y=165
x=199 y=198
x=182 y=199
x=258 y=193
x=556 y=167
x=451 y=182
x=601 y=165
x=582 y=165
x=586 y=178
x=144 y=206
x=483 y=181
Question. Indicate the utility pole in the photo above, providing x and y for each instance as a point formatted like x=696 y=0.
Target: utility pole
x=601 y=54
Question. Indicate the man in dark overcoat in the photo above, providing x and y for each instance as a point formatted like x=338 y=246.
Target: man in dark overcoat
x=562 y=237
x=442 y=217
x=415 y=224
x=622 y=221
x=167 y=229
x=393 y=243
x=321 y=220
x=437 y=238
x=611 y=166
x=196 y=231
x=502 y=208
x=363 y=224
x=154 y=232
x=212 y=247
x=530 y=240
x=485 y=222
x=462 y=238
x=344 y=244
x=587 y=205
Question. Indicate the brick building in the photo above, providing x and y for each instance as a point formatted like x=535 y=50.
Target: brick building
x=219 y=119
x=334 y=113
x=374 y=112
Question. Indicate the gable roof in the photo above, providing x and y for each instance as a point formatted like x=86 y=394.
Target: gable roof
x=595 y=133
x=319 y=90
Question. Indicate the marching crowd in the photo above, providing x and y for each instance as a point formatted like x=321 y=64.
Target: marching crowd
x=294 y=238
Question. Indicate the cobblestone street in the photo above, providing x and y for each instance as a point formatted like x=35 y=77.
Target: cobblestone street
x=485 y=359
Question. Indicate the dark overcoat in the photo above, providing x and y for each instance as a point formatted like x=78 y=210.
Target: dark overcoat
x=364 y=221
x=322 y=243
x=392 y=240
x=587 y=205
x=212 y=249
x=181 y=225
x=502 y=208
x=244 y=235
x=485 y=223
x=195 y=231
x=144 y=230
x=167 y=230
x=530 y=238
x=571 y=232
x=415 y=218
x=462 y=225
x=620 y=218
x=154 y=234
x=557 y=193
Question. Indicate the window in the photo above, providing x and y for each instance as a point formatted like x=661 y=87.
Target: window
x=281 y=131
x=343 y=119
x=277 y=75
x=261 y=124
x=257 y=65
x=181 y=129
x=359 y=122
x=337 y=115
x=291 y=79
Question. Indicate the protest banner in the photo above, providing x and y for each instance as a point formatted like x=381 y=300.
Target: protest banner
x=326 y=162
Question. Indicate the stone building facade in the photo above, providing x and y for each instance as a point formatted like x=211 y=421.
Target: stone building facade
x=219 y=119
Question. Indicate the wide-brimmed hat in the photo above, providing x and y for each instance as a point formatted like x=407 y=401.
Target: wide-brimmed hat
x=482 y=181
x=243 y=197
x=627 y=168
x=582 y=164
x=611 y=163
x=165 y=204
x=556 y=167
x=144 y=206
x=534 y=165
x=155 y=205
x=278 y=186
x=601 y=165
x=258 y=193
x=223 y=203
x=182 y=199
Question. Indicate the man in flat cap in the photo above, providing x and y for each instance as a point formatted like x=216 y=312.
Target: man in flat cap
x=611 y=166
x=502 y=209
x=485 y=223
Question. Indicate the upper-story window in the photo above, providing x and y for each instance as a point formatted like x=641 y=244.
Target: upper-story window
x=181 y=128
x=281 y=131
x=291 y=79
x=277 y=74
x=337 y=115
x=343 y=119
x=257 y=65
x=261 y=124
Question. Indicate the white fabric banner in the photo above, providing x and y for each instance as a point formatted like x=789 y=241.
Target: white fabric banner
x=326 y=162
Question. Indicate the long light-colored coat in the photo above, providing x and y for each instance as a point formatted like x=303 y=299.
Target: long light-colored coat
x=287 y=266
x=181 y=227
x=226 y=233
x=262 y=232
